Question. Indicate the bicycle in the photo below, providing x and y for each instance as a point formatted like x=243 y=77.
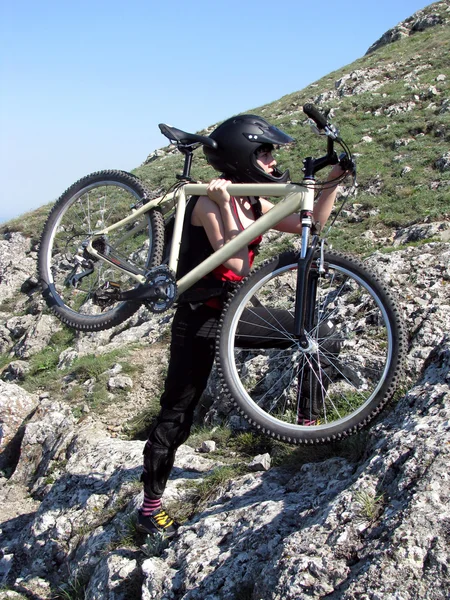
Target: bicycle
x=332 y=339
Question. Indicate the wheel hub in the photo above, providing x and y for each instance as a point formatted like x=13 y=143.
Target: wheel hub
x=310 y=345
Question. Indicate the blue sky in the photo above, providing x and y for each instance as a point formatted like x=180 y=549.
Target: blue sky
x=84 y=84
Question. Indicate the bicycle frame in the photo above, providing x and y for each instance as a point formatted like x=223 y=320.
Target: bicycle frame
x=296 y=198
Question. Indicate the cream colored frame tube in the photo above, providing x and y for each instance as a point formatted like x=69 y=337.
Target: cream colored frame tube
x=296 y=198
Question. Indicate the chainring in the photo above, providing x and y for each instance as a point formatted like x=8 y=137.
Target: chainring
x=162 y=280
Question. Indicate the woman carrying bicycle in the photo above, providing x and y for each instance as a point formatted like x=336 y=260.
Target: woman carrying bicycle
x=244 y=154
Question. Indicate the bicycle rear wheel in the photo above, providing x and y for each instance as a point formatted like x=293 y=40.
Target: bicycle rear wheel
x=356 y=348
x=75 y=283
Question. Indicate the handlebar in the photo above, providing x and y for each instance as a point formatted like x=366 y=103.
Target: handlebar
x=319 y=119
x=313 y=165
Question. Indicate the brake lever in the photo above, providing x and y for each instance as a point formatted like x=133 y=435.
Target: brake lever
x=329 y=130
x=347 y=163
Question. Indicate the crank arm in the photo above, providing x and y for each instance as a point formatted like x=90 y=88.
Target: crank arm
x=141 y=293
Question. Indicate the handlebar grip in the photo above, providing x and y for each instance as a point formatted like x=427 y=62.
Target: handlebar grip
x=313 y=113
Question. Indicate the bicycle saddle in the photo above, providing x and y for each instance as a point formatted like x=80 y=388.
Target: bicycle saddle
x=185 y=139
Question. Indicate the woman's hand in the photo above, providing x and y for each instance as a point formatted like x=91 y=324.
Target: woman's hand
x=337 y=171
x=217 y=192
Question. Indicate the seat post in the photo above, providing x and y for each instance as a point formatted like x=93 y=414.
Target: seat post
x=186 y=175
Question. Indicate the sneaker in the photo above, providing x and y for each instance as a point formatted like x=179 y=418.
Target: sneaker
x=157 y=522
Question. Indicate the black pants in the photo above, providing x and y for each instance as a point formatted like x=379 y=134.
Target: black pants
x=190 y=363
x=191 y=360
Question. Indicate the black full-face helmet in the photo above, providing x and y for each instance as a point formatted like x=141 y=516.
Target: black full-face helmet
x=238 y=140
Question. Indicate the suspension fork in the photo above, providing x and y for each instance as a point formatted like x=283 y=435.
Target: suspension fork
x=305 y=285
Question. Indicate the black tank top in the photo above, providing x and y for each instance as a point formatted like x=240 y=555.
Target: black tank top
x=195 y=248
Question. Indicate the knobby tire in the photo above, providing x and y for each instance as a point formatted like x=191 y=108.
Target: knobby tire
x=92 y=203
x=358 y=345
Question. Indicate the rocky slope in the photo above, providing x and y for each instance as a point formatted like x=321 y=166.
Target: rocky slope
x=365 y=519
x=374 y=526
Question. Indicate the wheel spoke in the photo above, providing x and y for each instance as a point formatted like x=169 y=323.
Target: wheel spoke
x=94 y=204
x=335 y=380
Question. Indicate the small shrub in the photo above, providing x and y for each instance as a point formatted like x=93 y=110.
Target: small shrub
x=137 y=428
x=370 y=505
x=155 y=545
x=74 y=589
x=213 y=484
x=221 y=435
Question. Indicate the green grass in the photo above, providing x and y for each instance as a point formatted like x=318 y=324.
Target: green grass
x=243 y=445
x=44 y=374
x=29 y=224
x=5 y=359
x=91 y=366
x=213 y=485
x=11 y=304
x=74 y=589
x=137 y=427
x=221 y=435
x=266 y=251
x=370 y=505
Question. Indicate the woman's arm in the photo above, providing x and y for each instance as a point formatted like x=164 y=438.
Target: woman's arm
x=325 y=202
x=215 y=214
x=322 y=207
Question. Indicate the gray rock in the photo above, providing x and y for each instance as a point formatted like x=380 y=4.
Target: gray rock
x=6 y=342
x=432 y=16
x=5 y=566
x=142 y=326
x=120 y=382
x=116 y=369
x=426 y=21
x=376 y=526
x=29 y=284
x=19 y=326
x=15 y=406
x=443 y=163
x=16 y=266
x=418 y=232
x=208 y=446
x=261 y=462
x=238 y=423
x=37 y=336
x=47 y=435
x=392 y=35
x=116 y=577
x=67 y=358
x=16 y=370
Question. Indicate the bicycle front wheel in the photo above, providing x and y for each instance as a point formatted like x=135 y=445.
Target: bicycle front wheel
x=79 y=288
x=356 y=347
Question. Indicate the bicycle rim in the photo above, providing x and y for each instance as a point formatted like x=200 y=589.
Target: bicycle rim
x=341 y=381
x=74 y=276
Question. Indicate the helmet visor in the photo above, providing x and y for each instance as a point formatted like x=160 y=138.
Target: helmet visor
x=270 y=135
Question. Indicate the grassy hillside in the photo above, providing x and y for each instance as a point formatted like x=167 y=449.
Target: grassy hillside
x=392 y=107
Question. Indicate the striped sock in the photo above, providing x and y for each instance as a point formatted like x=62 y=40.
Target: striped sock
x=149 y=505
